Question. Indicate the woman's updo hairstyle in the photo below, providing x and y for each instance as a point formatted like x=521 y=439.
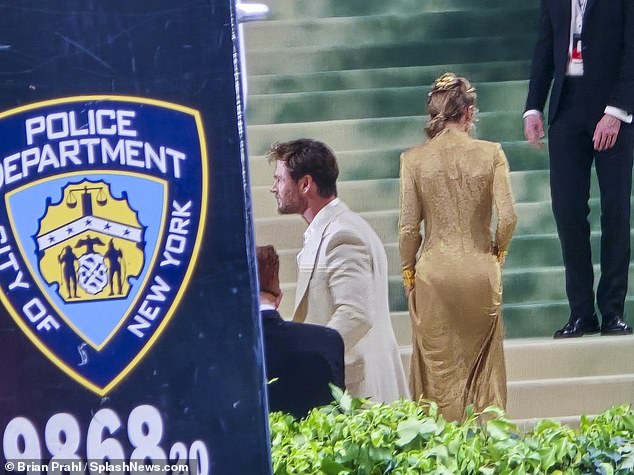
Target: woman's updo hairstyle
x=447 y=101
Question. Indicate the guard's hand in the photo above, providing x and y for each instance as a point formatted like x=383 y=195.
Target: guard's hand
x=606 y=133
x=534 y=129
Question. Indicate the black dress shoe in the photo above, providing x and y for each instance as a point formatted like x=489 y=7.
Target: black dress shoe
x=615 y=326
x=577 y=327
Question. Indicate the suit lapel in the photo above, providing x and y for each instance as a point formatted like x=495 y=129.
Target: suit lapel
x=588 y=7
x=566 y=10
x=308 y=260
x=306 y=267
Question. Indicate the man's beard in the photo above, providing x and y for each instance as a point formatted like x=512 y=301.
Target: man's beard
x=293 y=206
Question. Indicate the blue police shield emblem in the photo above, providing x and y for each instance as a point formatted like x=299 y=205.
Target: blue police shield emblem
x=103 y=210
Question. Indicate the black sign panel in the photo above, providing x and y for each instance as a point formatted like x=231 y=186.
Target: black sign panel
x=129 y=318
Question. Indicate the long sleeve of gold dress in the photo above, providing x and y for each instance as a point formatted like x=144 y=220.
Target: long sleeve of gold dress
x=452 y=185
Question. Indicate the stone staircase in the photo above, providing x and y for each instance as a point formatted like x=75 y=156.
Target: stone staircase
x=355 y=74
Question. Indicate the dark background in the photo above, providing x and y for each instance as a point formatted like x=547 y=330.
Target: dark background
x=205 y=372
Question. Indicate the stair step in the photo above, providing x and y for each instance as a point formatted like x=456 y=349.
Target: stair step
x=367 y=103
x=568 y=396
x=524 y=287
x=534 y=297
x=295 y=9
x=535 y=218
x=521 y=321
x=389 y=28
x=528 y=425
x=532 y=251
x=384 y=163
x=419 y=53
x=545 y=358
x=368 y=134
x=562 y=379
x=285 y=232
x=383 y=194
x=411 y=76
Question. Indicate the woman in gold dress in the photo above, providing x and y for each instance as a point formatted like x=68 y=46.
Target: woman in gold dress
x=451 y=184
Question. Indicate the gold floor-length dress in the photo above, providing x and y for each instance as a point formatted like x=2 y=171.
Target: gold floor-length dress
x=451 y=184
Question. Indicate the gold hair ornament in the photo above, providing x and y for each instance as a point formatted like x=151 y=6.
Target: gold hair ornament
x=447 y=82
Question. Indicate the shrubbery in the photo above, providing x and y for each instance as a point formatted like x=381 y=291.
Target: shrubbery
x=352 y=437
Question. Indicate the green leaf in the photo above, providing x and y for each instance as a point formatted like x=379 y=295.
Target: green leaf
x=346 y=402
x=330 y=467
x=606 y=469
x=407 y=431
x=498 y=430
x=494 y=410
x=628 y=422
x=336 y=391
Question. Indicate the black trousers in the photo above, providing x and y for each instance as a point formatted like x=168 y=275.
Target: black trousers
x=571 y=157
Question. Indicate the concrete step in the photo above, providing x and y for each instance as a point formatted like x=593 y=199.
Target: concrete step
x=398 y=54
x=528 y=251
x=526 y=291
x=284 y=9
x=542 y=359
x=383 y=194
x=285 y=232
x=545 y=358
x=368 y=134
x=564 y=378
x=367 y=103
x=411 y=76
x=521 y=321
x=389 y=28
x=534 y=218
x=544 y=317
x=568 y=396
x=384 y=163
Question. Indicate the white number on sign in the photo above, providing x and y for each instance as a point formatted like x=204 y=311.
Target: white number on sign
x=99 y=448
x=145 y=431
x=21 y=442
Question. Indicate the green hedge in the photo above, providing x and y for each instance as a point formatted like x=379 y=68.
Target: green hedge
x=353 y=437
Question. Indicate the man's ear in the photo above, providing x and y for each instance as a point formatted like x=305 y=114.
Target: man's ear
x=306 y=184
x=278 y=300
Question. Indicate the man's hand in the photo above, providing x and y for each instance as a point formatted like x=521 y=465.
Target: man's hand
x=534 y=129
x=606 y=133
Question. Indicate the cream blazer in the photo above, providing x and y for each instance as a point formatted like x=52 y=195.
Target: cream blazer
x=343 y=284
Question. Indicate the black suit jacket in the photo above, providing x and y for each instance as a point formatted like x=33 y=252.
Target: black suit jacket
x=608 y=55
x=305 y=359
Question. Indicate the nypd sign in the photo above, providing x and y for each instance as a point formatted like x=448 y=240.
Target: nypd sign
x=102 y=211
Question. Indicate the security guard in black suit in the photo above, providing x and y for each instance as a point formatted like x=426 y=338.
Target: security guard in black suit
x=585 y=54
x=301 y=360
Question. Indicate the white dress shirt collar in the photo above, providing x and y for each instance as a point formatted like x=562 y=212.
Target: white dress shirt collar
x=320 y=219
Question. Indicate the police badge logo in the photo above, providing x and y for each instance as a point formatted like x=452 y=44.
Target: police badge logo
x=106 y=234
x=103 y=213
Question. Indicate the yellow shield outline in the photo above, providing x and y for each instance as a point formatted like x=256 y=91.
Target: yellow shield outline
x=68 y=370
x=33 y=271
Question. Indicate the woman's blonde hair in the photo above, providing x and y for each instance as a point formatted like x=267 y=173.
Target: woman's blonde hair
x=447 y=101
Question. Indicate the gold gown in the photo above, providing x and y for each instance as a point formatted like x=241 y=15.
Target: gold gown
x=451 y=184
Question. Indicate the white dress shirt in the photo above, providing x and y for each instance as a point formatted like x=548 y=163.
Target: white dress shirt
x=575 y=67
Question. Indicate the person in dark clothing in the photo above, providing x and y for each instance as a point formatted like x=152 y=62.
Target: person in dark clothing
x=301 y=359
x=585 y=57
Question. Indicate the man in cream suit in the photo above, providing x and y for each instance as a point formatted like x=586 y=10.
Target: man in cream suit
x=343 y=279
